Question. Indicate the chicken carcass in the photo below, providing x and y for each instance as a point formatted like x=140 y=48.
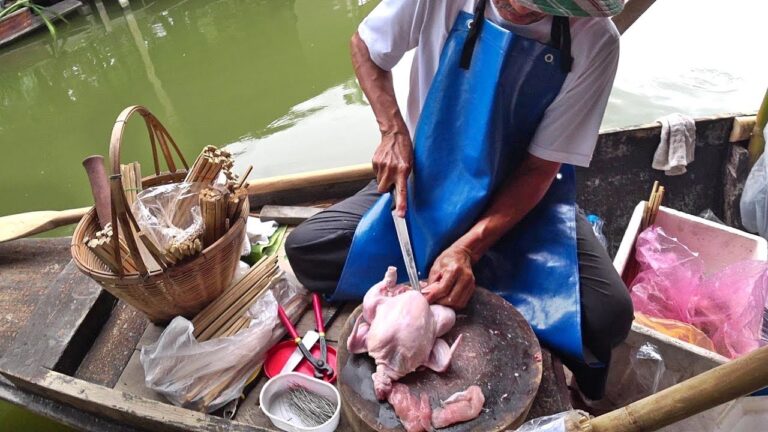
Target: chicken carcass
x=401 y=331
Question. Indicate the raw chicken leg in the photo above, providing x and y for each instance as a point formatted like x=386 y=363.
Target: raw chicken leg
x=401 y=331
x=460 y=407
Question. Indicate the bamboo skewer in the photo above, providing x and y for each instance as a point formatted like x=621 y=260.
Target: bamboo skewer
x=102 y=247
x=131 y=181
x=214 y=310
x=238 y=309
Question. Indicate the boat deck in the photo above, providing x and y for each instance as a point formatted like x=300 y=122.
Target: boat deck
x=61 y=333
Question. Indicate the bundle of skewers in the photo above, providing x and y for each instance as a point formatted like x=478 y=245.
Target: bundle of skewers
x=227 y=316
x=652 y=206
x=650 y=212
x=101 y=245
x=220 y=200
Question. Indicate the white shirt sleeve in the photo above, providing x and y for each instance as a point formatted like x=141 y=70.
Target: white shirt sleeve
x=569 y=129
x=393 y=28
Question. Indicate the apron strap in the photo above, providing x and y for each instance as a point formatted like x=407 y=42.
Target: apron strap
x=561 y=39
x=474 y=32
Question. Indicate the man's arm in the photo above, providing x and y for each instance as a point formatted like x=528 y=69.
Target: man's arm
x=393 y=159
x=451 y=281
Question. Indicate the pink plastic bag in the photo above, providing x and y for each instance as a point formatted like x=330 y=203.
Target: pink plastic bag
x=669 y=276
x=727 y=306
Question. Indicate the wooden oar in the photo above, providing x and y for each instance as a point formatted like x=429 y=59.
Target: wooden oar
x=27 y=224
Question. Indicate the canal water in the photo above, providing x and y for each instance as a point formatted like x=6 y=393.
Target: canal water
x=272 y=79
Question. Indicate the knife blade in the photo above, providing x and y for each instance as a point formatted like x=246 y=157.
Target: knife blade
x=296 y=357
x=405 y=247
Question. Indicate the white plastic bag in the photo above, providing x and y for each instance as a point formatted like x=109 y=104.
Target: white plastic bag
x=206 y=375
x=561 y=422
x=754 y=199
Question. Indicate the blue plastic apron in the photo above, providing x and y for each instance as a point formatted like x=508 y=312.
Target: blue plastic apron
x=473 y=132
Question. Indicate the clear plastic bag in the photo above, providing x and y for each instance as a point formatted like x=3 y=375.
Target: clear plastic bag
x=206 y=375
x=561 y=422
x=170 y=214
x=754 y=199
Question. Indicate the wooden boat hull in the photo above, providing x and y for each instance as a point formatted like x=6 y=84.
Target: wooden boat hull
x=67 y=327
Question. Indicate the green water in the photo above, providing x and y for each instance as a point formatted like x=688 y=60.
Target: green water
x=18 y=419
x=214 y=72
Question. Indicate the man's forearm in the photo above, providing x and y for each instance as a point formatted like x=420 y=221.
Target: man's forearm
x=377 y=85
x=518 y=196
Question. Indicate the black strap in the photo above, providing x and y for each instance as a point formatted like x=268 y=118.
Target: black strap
x=561 y=39
x=474 y=32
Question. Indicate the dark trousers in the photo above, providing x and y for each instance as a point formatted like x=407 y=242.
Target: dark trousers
x=318 y=248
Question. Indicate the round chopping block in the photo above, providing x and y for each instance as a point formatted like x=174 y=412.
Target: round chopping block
x=498 y=352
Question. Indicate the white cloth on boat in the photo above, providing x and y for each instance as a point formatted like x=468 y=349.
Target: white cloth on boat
x=258 y=231
x=677 y=145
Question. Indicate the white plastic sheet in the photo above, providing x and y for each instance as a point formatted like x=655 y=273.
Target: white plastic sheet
x=206 y=375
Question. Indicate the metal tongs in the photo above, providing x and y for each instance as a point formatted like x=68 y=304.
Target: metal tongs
x=321 y=366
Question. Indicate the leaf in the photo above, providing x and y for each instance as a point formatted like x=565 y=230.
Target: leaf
x=275 y=242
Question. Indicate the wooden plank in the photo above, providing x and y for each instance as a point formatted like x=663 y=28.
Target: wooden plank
x=287 y=215
x=742 y=128
x=27 y=267
x=122 y=407
x=310 y=194
x=52 y=12
x=63 y=325
x=132 y=380
x=58 y=411
x=114 y=346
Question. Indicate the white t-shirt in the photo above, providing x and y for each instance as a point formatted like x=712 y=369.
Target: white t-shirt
x=568 y=132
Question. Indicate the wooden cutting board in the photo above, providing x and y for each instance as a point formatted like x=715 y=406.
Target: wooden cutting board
x=498 y=352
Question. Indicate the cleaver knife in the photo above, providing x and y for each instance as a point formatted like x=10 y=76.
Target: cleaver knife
x=405 y=247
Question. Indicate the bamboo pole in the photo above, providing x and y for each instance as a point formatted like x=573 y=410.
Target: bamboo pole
x=726 y=382
x=757 y=142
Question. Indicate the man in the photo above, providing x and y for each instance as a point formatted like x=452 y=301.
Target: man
x=505 y=95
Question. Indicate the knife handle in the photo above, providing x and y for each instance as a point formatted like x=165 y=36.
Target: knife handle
x=394 y=201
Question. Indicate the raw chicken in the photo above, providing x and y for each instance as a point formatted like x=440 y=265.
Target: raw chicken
x=401 y=331
x=414 y=413
x=460 y=407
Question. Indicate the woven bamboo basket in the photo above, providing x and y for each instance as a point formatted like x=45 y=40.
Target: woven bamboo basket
x=183 y=289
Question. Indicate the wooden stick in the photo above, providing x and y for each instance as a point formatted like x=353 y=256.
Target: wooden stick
x=244 y=177
x=215 y=308
x=714 y=387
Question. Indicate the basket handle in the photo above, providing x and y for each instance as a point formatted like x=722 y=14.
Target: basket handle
x=121 y=214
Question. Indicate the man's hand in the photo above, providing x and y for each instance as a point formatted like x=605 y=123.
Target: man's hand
x=392 y=164
x=451 y=281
